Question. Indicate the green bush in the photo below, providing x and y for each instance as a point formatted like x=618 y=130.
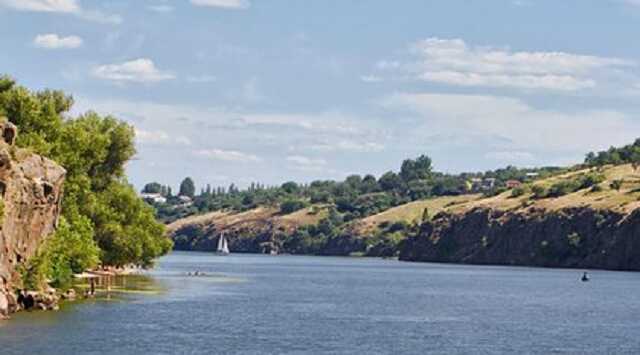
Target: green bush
x=616 y=184
x=562 y=188
x=539 y=191
x=292 y=205
x=520 y=191
x=568 y=186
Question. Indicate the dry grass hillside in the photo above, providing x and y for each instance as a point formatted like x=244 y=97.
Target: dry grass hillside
x=255 y=217
x=411 y=212
x=624 y=200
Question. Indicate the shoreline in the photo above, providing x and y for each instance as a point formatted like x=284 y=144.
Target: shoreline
x=49 y=298
x=395 y=258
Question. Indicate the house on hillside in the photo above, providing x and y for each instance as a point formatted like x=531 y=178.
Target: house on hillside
x=488 y=183
x=512 y=184
x=479 y=184
x=153 y=198
x=532 y=176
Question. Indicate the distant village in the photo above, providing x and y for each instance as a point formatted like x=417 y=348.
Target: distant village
x=488 y=184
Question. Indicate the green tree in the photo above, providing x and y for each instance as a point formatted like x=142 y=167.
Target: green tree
x=103 y=219
x=290 y=187
x=152 y=188
x=187 y=188
x=418 y=169
x=292 y=205
x=390 y=181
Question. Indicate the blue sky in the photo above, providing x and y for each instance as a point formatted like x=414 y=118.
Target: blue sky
x=273 y=90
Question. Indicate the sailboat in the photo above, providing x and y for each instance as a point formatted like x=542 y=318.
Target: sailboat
x=223 y=245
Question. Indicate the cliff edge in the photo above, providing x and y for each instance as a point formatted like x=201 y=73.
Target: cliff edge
x=30 y=200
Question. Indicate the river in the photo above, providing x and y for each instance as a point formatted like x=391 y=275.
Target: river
x=251 y=304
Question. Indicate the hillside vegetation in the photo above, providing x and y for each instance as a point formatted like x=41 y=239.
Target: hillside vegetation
x=610 y=188
x=103 y=221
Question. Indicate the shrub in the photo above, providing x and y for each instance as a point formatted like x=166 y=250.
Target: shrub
x=519 y=191
x=292 y=205
x=592 y=179
x=398 y=226
x=562 y=188
x=616 y=184
x=539 y=191
x=574 y=239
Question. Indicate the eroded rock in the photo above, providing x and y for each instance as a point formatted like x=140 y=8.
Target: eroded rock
x=30 y=197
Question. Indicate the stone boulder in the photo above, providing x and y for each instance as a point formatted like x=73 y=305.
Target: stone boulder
x=30 y=198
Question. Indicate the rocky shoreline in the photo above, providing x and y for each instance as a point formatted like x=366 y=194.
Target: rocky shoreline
x=568 y=238
x=49 y=298
x=579 y=237
x=30 y=195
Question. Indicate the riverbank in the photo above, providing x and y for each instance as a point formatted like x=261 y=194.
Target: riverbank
x=87 y=285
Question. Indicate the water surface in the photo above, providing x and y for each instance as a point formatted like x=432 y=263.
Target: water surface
x=251 y=304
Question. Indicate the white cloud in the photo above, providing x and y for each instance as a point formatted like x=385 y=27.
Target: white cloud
x=227 y=155
x=200 y=79
x=100 y=17
x=141 y=70
x=153 y=137
x=159 y=137
x=226 y=4
x=370 y=78
x=348 y=146
x=510 y=157
x=302 y=160
x=162 y=8
x=54 y=41
x=303 y=163
x=183 y=140
x=454 y=62
x=513 y=125
x=64 y=6
x=61 y=6
x=521 y=3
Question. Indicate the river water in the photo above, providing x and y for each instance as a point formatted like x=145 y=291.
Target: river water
x=251 y=304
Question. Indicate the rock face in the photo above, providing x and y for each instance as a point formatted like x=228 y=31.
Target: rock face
x=30 y=196
x=572 y=238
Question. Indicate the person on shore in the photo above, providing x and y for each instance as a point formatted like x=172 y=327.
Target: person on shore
x=28 y=301
x=20 y=300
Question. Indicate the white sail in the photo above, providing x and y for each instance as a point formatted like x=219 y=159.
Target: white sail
x=223 y=245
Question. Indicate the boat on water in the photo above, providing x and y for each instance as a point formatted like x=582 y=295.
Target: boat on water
x=585 y=277
x=223 y=245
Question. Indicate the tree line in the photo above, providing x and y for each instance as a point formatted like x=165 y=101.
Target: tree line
x=355 y=197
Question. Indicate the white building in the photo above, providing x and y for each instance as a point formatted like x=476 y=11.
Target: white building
x=154 y=198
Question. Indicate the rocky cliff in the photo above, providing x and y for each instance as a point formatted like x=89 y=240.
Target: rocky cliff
x=30 y=196
x=571 y=237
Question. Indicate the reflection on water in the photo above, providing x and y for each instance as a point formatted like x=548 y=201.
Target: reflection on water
x=112 y=285
x=251 y=304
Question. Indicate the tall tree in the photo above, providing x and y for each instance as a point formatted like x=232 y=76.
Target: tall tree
x=187 y=188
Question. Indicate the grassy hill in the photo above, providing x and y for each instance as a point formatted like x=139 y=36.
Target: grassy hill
x=604 y=197
x=609 y=188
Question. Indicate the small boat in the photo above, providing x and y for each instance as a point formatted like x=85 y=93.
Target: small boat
x=223 y=245
x=585 y=277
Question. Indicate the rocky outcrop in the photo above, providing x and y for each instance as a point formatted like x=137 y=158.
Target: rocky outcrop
x=30 y=196
x=572 y=238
